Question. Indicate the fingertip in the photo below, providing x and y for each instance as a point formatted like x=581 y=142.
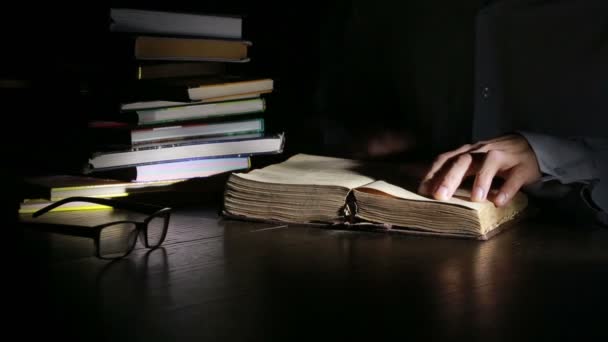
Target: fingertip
x=441 y=193
x=478 y=194
x=501 y=199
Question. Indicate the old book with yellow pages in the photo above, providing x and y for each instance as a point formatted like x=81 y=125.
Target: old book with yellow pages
x=335 y=192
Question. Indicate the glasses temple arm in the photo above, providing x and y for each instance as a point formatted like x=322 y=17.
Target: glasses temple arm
x=65 y=230
x=118 y=204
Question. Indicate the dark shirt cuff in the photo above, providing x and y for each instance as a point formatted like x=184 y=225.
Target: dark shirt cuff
x=568 y=161
x=570 y=175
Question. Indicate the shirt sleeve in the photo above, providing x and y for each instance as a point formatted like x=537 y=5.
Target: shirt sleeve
x=580 y=162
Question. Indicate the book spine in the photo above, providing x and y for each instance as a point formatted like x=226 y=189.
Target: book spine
x=349 y=211
x=232 y=146
x=192 y=131
x=164 y=171
x=200 y=111
x=230 y=88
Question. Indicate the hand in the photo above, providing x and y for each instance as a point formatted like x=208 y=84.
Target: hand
x=509 y=157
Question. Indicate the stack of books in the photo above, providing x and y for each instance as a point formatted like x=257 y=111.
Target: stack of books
x=184 y=107
x=183 y=110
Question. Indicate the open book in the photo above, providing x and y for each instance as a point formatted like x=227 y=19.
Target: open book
x=312 y=189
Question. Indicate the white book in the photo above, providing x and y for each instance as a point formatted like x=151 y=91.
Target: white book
x=198 y=149
x=189 y=168
x=183 y=169
x=200 y=111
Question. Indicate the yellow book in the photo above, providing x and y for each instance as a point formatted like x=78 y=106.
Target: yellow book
x=30 y=206
x=55 y=187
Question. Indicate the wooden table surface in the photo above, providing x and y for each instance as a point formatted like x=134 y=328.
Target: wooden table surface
x=216 y=279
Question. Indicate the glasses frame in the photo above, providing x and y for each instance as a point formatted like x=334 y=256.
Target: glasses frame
x=94 y=232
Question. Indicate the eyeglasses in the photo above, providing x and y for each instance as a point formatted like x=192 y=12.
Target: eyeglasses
x=114 y=240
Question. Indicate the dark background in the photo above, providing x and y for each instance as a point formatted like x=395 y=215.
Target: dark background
x=339 y=67
x=344 y=70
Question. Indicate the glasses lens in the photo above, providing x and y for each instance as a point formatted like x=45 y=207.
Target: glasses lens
x=117 y=240
x=157 y=229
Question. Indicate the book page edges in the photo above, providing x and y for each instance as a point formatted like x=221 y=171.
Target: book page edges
x=377 y=227
x=492 y=218
x=488 y=215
